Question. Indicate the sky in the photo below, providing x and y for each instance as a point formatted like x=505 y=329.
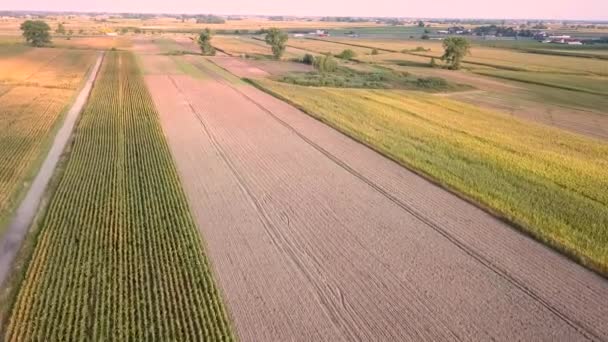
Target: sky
x=512 y=9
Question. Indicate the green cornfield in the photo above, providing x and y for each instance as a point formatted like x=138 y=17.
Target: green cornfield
x=118 y=256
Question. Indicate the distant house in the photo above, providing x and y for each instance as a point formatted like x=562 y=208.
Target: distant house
x=320 y=33
x=298 y=35
x=112 y=34
x=566 y=40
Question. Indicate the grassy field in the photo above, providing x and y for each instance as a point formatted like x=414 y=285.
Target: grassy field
x=492 y=57
x=587 y=84
x=117 y=256
x=551 y=183
x=253 y=48
x=36 y=85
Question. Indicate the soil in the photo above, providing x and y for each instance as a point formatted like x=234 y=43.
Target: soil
x=313 y=236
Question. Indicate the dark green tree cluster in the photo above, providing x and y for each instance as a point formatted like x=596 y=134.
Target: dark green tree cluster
x=204 y=41
x=455 y=50
x=36 y=32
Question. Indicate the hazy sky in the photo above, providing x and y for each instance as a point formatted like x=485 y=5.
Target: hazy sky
x=545 y=9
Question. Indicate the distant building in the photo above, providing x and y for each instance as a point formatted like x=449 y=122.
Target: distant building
x=319 y=33
x=112 y=34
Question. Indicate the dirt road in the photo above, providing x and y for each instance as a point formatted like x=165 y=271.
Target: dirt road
x=314 y=237
x=20 y=224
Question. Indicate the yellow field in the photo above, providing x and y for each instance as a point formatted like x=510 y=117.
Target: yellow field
x=91 y=26
x=323 y=47
x=35 y=87
x=552 y=183
x=241 y=46
x=494 y=57
x=95 y=43
x=51 y=68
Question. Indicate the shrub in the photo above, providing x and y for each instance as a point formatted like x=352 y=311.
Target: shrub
x=308 y=59
x=325 y=63
x=374 y=51
x=347 y=54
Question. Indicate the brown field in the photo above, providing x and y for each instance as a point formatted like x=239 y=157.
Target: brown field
x=330 y=241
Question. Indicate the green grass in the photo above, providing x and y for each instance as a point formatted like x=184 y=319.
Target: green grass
x=550 y=183
x=118 y=255
x=562 y=97
x=380 y=79
x=587 y=84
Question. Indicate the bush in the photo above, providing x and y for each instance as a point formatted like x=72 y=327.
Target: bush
x=374 y=51
x=347 y=54
x=325 y=64
x=308 y=59
x=431 y=83
x=426 y=37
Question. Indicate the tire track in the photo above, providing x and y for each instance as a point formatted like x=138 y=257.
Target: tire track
x=587 y=332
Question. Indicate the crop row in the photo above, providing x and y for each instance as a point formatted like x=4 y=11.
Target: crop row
x=118 y=256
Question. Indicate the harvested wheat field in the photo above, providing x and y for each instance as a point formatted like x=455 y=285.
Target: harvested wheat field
x=313 y=236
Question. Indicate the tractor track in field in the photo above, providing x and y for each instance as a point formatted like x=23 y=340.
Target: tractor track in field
x=428 y=222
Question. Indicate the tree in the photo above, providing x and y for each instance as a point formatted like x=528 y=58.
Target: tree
x=433 y=63
x=455 y=50
x=347 y=54
x=70 y=33
x=277 y=39
x=325 y=63
x=60 y=29
x=36 y=32
x=204 y=41
x=421 y=23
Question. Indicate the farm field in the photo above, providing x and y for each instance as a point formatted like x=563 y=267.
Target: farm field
x=493 y=57
x=555 y=191
x=575 y=102
x=245 y=46
x=322 y=212
x=133 y=267
x=94 y=43
x=594 y=85
x=175 y=196
x=36 y=85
